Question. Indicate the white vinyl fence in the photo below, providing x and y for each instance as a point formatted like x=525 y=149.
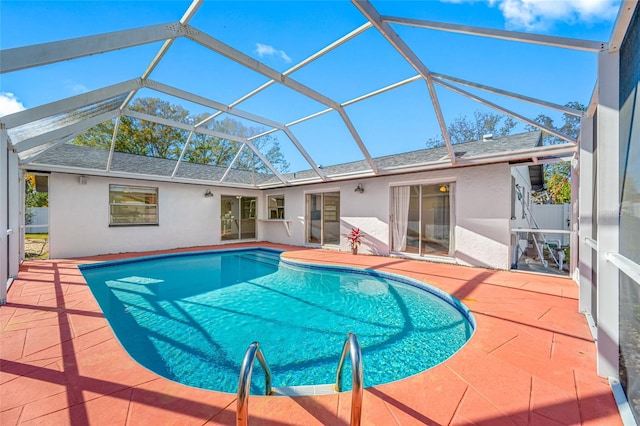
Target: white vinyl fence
x=553 y=216
x=39 y=223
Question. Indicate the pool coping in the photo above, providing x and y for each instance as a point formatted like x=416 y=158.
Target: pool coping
x=447 y=298
x=145 y=258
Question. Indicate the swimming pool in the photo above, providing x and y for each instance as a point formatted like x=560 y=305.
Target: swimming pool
x=190 y=317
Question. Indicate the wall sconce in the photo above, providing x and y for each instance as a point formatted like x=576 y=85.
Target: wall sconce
x=444 y=188
x=359 y=188
x=208 y=193
x=83 y=180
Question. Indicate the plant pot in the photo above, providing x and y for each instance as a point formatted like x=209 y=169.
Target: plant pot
x=354 y=250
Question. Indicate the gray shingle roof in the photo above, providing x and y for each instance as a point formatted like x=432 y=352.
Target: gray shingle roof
x=84 y=157
x=509 y=143
x=90 y=158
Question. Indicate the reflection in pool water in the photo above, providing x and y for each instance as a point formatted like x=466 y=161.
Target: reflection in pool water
x=190 y=318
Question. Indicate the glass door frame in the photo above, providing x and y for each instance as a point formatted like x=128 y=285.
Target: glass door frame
x=323 y=213
x=236 y=210
x=451 y=186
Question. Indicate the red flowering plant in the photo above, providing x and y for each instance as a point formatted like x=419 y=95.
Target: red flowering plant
x=355 y=238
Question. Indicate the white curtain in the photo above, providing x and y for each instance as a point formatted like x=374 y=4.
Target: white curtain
x=400 y=215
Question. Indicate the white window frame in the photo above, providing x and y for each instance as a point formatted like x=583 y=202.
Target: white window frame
x=138 y=189
x=277 y=207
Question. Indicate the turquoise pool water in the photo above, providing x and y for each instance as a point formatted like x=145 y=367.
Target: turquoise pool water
x=190 y=318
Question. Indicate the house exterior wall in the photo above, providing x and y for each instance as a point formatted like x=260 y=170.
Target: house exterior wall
x=520 y=215
x=522 y=178
x=481 y=203
x=79 y=217
x=483 y=212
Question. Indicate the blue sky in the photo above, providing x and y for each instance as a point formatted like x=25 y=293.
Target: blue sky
x=281 y=33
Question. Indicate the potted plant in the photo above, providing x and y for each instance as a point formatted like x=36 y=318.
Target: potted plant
x=355 y=238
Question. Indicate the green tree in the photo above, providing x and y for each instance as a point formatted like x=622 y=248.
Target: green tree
x=208 y=149
x=33 y=198
x=98 y=136
x=142 y=137
x=464 y=129
x=153 y=139
x=570 y=125
x=557 y=176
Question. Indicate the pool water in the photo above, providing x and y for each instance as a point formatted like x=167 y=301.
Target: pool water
x=190 y=318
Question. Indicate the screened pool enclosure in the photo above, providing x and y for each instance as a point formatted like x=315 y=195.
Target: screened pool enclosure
x=297 y=146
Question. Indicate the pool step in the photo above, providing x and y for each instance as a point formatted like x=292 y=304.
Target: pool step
x=268 y=258
x=304 y=390
x=267 y=255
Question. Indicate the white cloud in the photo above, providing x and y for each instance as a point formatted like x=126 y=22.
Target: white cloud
x=75 y=88
x=9 y=104
x=266 y=50
x=539 y=14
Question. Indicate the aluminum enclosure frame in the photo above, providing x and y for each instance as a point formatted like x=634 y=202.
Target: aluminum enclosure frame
x=604 y=106
x=17 y=58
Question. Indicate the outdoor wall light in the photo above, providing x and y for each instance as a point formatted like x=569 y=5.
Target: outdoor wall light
x=208 y=193
x=83 y=179
x=359 y=188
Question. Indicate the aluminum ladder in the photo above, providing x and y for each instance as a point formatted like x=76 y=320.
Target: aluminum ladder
x=351 y=346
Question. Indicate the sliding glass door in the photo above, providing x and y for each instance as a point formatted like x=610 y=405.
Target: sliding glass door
x=421 y=217
x=238 y=218
x=322 y=217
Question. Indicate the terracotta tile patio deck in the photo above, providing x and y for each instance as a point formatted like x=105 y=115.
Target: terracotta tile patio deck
x=530 y=362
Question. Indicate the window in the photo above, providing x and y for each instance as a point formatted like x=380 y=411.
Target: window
x=132 y=205
x=276 y=207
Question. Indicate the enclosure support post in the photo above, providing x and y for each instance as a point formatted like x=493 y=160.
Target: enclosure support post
x=4 y=213
x=573 y=220
x=608 y=211
x=13 y=216
x=586 y=186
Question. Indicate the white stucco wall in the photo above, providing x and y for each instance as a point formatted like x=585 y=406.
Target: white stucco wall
x=80 y=224
x=521 y=175
x=368 y=211
x=79 y=217
x=482 y=212
x=521 y=216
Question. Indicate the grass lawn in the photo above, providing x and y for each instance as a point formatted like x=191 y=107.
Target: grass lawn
x=36 y=246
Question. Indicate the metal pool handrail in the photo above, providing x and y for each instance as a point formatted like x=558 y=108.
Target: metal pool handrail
x=352 y=346
x=244 y=383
